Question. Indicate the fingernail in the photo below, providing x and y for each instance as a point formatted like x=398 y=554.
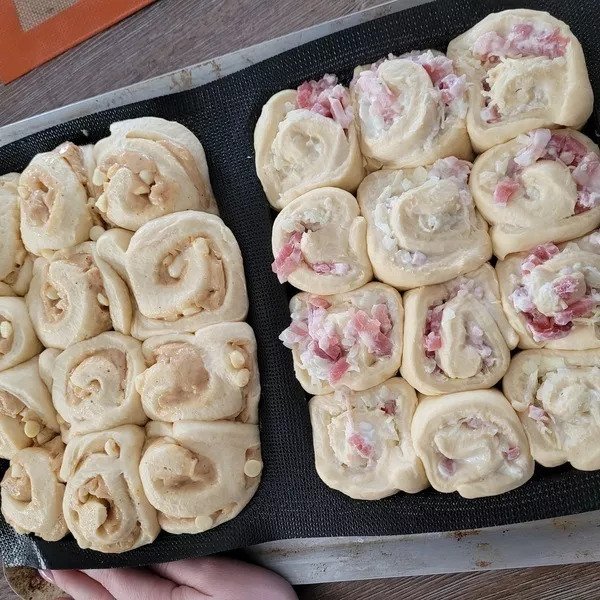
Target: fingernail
x=47 y=575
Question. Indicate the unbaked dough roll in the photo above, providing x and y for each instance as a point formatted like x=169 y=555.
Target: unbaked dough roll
x=75 y=295
x=32 y=493
x=410 y=110
x=210 y=376
x=16 y=265
x=104 y=504
x=27 y=416
x=352 y=339
x=456 y=336
x=305 y=139
x=471 y=443
x=320 y=243
x=148 y=168
x=199 y=475
x=422 y=226
x=185 y=271
x=551 y=294
x=93 y=384
x=556 y=394
x=540 y=187
x=18 y=341
x=54 y=192
x=525 y=69
x=362 y=441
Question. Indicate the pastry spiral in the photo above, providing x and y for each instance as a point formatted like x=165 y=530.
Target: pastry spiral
x=199 y=475
x=27 y=416
x=541 y=187
x=104 y=503
x=319 y=243
x=210 y=376
x=18 y=341
x=185 y=271
x=16 y=264
x=75 y=295
x=422 y=226
x=471 y=443
x=93 y=384
x=525 y=69
x=410 y=110
x=54 y=191
x=557 y=397
x=352 y=339
x=551 y=294
x=148 y=168
x=306 y=139
x=456 y=336
x=363 y=446
x=32 y=493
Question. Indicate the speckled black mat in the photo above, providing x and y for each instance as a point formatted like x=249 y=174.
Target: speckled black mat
x=292 y=502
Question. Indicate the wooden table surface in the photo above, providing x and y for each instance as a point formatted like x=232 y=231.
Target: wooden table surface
x=175 y=33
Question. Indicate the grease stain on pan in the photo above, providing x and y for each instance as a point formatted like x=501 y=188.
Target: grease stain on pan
x=459 y=535
x=483 y=564
x=27 y=584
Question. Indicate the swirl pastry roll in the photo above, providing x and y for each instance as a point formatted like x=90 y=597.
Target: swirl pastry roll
x=363 y=446
x=54 y=190
x=471 y=443
x=185 y=271
x=456 y=336
x=27 y=417
x=306 y=139
x=319 y=243
x=210 y=376
x=199 y=475
x=422 y=226
x=551 y=294
x=16 y=265
x=524 y=69
x=410 y=110
x=32 y=493
x=18 y=341
x=541 y=187
x=93 y=384
x=352 y=339
x=556 y=394
x=75 y=295
x=148 y=168
x=104 y=503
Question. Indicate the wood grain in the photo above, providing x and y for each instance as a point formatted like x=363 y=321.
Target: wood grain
x=175 y=33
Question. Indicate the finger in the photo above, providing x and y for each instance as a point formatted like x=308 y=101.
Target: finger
x=133 y=584
x=80 y=586
x=227 y=579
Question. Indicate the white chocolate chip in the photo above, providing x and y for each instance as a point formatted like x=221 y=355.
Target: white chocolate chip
x=99 y=177
x=95 y=232
x=112 y=170
x=17 y=470
x=189 y=311
x=141 y=189
x=32 y=428
x=237 y=359
x=44 y=436
x=147 y=176
x=102 y=299
x=52 y=293
x=176 y=267
x=48 y=254
x=102 y=203
x=203 y=522
x=6 y=329
x=253 y=468
x=112 y=448
x=242 y=378
x=201 y=246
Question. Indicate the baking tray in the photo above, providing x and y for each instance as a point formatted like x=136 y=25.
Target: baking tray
x=550 y=541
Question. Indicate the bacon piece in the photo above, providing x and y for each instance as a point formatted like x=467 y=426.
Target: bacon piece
x=504 y=190
x=444 y=168
x=586 y=200
x=538 y=256
x=565 y=148
x=452 y=88
x=437 y=67
x=569 y=288
x=383 y=103
x=382 y=314
x=318 y=302
x=544 y=328
x=331 y=268
x=370 y=334
x=580 y=308
x=337 y=370
x=475 y=423
x=295 y=333
x=326 y=97
x=447 y=466
x=490 y=114
x=389 y=407
x=289 y=258
x=361 y=446
x=538 y=414
x=512 y=453
x=587 y=172
x=535 y=149
x=433 y=341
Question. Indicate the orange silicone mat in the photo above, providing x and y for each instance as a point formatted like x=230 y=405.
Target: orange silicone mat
x=34 y=31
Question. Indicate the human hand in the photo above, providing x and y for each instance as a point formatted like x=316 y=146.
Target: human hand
x=198 y=579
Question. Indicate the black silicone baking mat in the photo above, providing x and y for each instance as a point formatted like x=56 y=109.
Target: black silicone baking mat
x=292 y=502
